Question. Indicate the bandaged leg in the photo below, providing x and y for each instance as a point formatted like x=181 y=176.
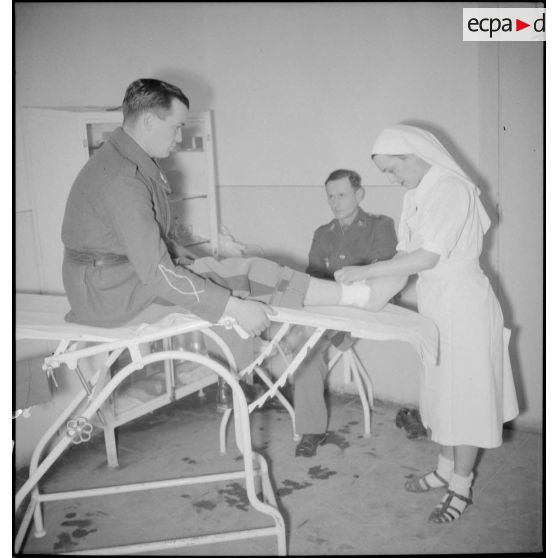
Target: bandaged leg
x=382 y=290
x=372 y=294
x=355 y=294
x=322 y=292
x=261 y=279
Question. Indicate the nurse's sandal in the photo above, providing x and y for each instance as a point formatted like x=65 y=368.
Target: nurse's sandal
x=450 y=508
x=430 y=481
x=439 y=478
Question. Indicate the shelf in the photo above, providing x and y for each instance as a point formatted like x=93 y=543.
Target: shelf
x=133 y=402
x=195 y=242
x=185 y=197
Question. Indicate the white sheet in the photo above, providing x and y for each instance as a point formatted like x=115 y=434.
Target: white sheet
x=42 y=317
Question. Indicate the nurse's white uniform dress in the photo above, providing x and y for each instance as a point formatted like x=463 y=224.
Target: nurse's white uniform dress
x=468 y=396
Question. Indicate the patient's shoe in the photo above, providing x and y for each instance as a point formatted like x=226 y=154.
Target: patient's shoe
x=309 y=443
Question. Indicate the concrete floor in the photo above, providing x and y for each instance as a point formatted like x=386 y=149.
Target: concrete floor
x=349 y=499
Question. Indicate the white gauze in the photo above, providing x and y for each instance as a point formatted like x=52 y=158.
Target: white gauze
x=356 y=294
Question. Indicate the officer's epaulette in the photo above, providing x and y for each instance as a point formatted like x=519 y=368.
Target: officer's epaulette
x=327 y=227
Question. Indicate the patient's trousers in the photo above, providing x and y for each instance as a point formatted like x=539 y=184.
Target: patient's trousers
x=256 y=279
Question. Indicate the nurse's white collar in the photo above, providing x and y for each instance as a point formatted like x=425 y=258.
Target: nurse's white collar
x=429 y=180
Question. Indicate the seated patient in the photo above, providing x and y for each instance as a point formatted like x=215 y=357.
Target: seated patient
x=118 y=257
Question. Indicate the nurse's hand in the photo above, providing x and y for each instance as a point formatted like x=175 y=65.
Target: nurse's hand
x=352 y=273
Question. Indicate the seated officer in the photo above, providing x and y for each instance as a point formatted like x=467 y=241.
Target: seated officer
x=353 y=237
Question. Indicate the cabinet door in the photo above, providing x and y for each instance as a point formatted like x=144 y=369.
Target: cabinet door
x=54 y=155
x=191 y=174
x=57 y=144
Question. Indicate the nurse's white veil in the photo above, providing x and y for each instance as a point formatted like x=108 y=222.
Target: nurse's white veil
x=403 y=139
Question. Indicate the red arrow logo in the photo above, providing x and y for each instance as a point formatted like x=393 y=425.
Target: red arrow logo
x=519 y=25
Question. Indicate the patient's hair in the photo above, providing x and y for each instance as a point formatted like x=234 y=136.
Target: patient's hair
x=354 y=177
x=150 y=94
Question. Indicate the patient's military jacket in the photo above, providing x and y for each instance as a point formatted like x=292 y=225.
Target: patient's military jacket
x=118 y=205
x=368 y=239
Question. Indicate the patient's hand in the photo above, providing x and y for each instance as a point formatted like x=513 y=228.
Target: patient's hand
x=250 y=315
x=182 y=255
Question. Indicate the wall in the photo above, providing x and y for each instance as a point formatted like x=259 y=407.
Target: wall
x=302 y=88
x=511 y=138
x=298 y=89
x=521 y=223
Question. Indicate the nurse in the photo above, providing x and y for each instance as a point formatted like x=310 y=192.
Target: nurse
x=469 y=394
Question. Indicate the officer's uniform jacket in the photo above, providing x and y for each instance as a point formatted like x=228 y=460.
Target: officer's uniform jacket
x=368 y=239
x=118 y=205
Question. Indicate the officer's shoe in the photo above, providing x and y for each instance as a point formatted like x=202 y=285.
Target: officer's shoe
x=309 y=443
x=410 y=420
x=343 y=341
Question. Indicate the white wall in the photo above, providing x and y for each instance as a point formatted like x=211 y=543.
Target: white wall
x=302 y=88
x=521 y=224
x=298 y=90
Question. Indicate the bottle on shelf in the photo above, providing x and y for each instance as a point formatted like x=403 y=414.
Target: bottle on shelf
x=187 y=371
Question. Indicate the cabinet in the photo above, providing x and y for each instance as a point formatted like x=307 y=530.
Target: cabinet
x=59 y=141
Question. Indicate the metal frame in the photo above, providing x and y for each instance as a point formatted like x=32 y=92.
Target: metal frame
x=41 y=321
x=94 y=395
x=392 y=323
x=354 y=371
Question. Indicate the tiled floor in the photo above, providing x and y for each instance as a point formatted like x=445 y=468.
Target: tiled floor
x=349 y=499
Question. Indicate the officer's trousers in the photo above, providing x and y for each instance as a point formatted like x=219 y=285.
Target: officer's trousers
x=309 y=384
